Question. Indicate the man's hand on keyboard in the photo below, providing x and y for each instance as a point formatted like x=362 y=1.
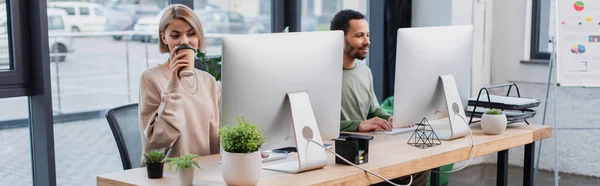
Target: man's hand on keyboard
x=376 y=124
x=390 y=120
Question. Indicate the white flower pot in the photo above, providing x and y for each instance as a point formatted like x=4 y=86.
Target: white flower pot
x=493 y=124
x=242 y=168
x=185 y=176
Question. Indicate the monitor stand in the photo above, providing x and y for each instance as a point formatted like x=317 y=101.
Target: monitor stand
x=310 y=155
x=457 y=127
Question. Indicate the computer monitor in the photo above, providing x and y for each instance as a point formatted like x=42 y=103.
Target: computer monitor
x=422 y=56
x=260 y=70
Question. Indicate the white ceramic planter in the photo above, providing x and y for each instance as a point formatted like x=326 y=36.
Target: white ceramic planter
x=241 y=168
x=185 y=176
x=493 y=124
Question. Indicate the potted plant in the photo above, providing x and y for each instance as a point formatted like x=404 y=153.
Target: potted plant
x=210 y=64
x=493 y=122
x=185 y=167
x=154 y=163
x=241 y=158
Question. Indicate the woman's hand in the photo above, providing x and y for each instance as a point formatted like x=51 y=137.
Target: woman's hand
x=177 y=62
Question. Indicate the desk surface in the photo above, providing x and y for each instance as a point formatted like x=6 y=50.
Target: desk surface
x=389 y=157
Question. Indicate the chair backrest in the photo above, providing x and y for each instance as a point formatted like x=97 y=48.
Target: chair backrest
x=123 y=121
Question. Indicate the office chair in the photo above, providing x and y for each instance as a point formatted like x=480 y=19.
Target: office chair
x=123 y=121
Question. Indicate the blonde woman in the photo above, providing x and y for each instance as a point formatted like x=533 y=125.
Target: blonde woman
x=179 y=113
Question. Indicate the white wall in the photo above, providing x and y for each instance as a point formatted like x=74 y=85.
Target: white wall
x=578 y=151
x=482 y=17
x=462 y=12
x=441 y=13
x=511 y=44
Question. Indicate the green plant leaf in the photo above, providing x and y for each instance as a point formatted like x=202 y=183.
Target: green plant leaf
x=244 y=137
x=155 y=156
x=196 y=165
x=494 y=112
x=182 y=162
x=211 y=63
x=200 y=54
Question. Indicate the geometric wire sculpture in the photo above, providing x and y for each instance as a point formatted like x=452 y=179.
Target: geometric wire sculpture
x=424 y=136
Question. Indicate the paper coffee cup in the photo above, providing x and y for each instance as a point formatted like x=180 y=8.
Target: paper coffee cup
x=189 y=70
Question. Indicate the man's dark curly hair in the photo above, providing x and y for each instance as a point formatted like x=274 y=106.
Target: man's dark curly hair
x=341 y=20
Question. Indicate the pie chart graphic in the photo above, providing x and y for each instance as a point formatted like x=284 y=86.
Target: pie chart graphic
x=577 y=49
x=579 y=6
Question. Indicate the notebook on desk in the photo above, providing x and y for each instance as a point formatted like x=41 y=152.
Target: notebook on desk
x=504 y=102
x=510 y=114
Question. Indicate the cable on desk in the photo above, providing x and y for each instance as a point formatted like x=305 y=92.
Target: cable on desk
x=380 y=177
x=472 y=148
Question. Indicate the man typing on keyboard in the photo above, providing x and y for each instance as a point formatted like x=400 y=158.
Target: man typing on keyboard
x=360 y=108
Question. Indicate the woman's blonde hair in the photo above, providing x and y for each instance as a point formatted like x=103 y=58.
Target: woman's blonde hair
x=184 y=13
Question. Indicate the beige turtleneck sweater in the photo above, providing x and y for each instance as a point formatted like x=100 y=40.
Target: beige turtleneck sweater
x=177 y=117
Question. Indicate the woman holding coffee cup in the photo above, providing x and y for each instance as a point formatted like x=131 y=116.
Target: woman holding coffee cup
x=179 y=104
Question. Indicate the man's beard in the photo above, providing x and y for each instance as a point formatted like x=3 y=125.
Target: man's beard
x=349 y=49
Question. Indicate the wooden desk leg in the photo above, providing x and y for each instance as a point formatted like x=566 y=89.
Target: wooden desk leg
x=435 y=177
x=528 y=167
x=501 y=174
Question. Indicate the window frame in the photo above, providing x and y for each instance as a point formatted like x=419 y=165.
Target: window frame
x=30 y=76
x=286 y=14
x=15 y=82
x=536 y=30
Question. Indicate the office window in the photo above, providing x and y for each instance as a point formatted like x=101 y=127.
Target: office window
x=94 y=72
x=543 y=28
x=265 y=7
x=14 y=65
x=4 y=41
x=15 y=156
x=231 y=17
x=235 y=18
x=317 y=14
